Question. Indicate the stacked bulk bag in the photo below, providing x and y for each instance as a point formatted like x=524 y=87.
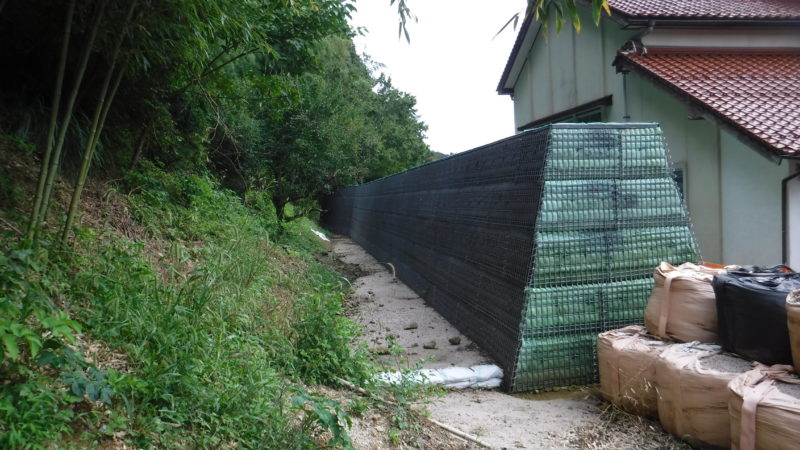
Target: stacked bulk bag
x=692 y=382
x=627 y=364
x=751 y=314
x=682 y=305
x=793 y=323
x=764 y=407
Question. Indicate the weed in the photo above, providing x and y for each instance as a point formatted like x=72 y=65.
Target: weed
x=220 y=332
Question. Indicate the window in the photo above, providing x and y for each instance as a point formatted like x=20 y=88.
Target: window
x=592 y=115
x=593 y=111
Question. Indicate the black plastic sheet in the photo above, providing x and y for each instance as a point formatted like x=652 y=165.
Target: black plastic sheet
x=751 y=314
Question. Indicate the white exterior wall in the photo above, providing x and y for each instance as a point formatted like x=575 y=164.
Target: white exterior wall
x=727 y=183
x=751 y=205
x=694 y=146
x=793 y=220
x=565 y=70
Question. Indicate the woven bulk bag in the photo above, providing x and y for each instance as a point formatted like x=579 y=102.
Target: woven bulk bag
x=692 y=382
x=769 y=416
x=682 y=305
x=751 y=314
x=626 y=359
x=793 y=321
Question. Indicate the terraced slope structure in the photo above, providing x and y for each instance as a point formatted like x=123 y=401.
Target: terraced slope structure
x=531 y=245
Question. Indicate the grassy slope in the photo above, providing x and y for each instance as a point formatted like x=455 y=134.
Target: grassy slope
x=198 y=328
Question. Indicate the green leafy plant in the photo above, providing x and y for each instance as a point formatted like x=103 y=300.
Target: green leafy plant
x=327 y=414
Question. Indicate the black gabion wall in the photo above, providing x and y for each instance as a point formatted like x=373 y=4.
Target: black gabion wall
x=531 y=245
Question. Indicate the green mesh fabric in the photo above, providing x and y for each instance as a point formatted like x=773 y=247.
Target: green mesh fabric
x=610 y=212
x=531 y=245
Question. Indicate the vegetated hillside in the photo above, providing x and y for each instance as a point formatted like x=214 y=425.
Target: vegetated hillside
x=177 y=317
x=159 y=162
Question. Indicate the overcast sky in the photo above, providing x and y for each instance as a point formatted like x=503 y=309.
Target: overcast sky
x=452 y=65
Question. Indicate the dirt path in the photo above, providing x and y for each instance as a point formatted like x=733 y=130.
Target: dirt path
x=391 y=312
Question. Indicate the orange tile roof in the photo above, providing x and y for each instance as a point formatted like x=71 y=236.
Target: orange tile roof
x=756 y=92
x=709 y=9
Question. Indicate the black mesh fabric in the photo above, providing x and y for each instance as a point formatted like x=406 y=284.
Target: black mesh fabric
x=459 y=232
x=531 y=245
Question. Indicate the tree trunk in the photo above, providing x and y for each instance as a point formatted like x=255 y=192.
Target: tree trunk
x=48 y=149
x=89 y=152
x=51 y=173
x=137 y=155
x=98 y=121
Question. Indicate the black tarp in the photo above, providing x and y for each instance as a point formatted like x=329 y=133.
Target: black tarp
x=751 y=314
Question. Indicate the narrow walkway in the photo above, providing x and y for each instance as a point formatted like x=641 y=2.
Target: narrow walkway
x=389 y=310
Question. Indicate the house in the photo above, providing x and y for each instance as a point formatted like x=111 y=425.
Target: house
x=722 y=77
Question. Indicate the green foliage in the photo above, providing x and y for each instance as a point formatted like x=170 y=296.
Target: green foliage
x=220 y=333
x=324 y=340
x=332 y=127
x=327 y=414
x=33 y=335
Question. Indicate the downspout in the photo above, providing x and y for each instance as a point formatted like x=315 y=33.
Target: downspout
x=784 y=215
x=626 y=115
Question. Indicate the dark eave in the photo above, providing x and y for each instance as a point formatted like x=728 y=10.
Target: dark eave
x=524 y=29
x=604 y=101
x=697 y=108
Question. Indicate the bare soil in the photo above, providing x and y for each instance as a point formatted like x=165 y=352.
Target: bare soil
x=393 y=316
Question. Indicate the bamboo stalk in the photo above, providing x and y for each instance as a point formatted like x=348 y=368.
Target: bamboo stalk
x=51 y=173
x=98 y=121
x=137 y=154
x=48 y=149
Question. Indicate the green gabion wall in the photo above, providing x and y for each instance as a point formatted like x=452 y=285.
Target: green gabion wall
x=531 y=245
x=610 y=212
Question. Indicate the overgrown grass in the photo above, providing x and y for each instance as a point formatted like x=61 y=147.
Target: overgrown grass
x=219 y=327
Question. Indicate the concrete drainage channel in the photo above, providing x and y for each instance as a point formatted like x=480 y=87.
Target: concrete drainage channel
x=389 y=311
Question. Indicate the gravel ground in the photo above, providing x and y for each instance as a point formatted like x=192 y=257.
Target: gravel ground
x=393 y=316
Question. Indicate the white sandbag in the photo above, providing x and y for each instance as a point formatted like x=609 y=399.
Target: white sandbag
x=487 y=372
x=482 y=376
x=764 y=406
x=692 y=381
x=320 y=235
x=627 y=359
x=682 y=305
x=452 y=376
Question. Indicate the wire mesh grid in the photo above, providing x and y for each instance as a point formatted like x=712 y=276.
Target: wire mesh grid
x=610 y=212
x=458 y=232
x=532 y=245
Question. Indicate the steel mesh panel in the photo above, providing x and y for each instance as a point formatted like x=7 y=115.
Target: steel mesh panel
x=458 y=232
x=610 y=212
x=532 y=245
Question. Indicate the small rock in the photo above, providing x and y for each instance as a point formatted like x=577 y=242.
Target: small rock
x=380 y=350
x=392 y=336
x=429 y=345
x=455 y=340
x=411 y=326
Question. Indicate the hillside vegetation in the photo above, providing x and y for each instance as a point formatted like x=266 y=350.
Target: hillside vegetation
x=161 y=165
